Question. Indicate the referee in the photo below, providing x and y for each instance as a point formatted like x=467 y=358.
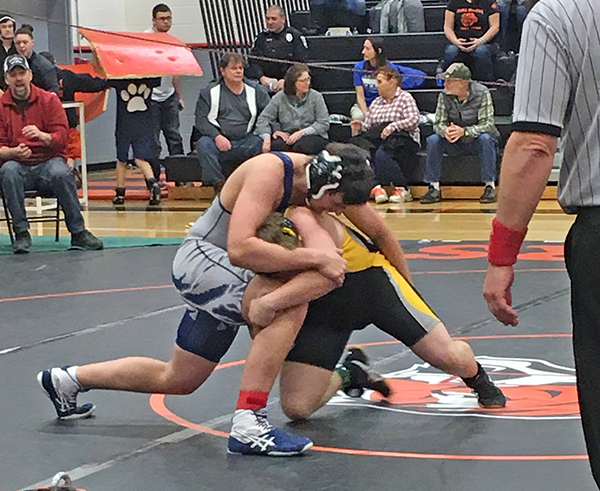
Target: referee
x=557 y=95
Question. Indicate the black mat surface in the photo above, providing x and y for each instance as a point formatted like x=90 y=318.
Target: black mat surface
x=76 y=308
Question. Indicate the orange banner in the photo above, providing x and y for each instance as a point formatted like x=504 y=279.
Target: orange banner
x=122 y=55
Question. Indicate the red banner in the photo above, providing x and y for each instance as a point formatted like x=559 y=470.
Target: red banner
x=122 y=55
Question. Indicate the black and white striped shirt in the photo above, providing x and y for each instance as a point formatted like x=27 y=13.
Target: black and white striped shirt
x=558 y=91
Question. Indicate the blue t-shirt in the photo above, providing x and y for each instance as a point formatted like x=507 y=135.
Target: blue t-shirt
x=364 y=76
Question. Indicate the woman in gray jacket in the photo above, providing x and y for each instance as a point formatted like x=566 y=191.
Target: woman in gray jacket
x=295 y=119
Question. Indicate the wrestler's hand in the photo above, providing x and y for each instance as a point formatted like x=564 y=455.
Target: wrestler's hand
x=260 y=313
x=333 y=266
x=497 y=293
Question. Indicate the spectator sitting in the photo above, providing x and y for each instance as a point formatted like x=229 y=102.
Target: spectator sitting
x=68 y=84
x=278 y=41
x=401 y=16
x=364 y=76
x=391 y=130
x=510 y=33
x=470 y=25
x=226 y=113
x=464 y=124
x=44 y=74
x=297 y=117
x=33 y=137
x=8 y=26
x=344 y=13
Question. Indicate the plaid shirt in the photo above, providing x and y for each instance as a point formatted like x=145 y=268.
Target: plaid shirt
x=486 y=122
x=402 y=113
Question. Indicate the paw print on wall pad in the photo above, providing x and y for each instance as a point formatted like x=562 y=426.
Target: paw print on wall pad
x=136 y=97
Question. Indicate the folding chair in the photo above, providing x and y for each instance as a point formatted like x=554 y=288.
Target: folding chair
x=36 y=219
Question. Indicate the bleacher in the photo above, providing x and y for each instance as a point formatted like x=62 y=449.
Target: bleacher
x=335 y=56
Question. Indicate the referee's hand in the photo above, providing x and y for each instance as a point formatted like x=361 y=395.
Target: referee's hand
x=497 y=293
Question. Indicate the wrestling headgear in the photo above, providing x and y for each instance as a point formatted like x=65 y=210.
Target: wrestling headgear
x=323 y=173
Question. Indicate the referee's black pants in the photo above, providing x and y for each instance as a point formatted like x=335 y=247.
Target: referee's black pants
x=582 y=256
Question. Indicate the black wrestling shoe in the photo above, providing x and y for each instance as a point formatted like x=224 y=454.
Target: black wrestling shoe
x=356 y=362
x=488 y=395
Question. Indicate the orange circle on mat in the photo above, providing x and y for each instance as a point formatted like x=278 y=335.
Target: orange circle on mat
x=157 y=402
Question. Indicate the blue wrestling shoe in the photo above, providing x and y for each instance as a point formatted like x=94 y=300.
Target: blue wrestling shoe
x=251 y=434
x=62 y=390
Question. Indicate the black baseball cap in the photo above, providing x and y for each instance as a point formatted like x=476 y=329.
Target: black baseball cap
x=13 y=61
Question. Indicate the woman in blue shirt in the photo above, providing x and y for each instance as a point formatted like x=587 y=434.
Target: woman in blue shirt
x=365 y=82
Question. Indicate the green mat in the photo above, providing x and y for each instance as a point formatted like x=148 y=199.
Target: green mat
x=46 y=243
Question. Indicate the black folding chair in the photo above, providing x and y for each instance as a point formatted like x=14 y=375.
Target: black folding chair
x=36 y=219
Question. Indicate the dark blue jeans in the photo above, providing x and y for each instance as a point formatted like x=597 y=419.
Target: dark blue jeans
x=389 y=162
x=51 y=177
x=485 y=145
x=507 y=31
x=217 y=165
x=478 y=60
x=166 y=119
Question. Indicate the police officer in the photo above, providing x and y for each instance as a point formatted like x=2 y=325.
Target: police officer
x=278 y=41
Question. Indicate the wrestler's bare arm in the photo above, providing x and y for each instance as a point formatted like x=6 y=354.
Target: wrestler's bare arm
x=368 y=221
x=265 y=297
x=259 y=195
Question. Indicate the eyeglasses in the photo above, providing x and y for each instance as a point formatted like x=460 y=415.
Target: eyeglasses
x=165 y=19
x=304 y=79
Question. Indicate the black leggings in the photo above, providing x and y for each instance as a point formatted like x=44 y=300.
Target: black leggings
x=583 y=265
x=309 y=144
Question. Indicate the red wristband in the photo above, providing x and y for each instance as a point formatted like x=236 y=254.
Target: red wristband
x=505 y=244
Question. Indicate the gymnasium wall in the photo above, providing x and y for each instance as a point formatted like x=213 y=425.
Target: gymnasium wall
x=49 y=19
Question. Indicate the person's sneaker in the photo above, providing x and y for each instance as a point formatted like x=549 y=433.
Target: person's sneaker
x=118 y=200
x=62 y=390
x=489 y=195
x=432 y=196
x=488 y=395
x=251 y=434
x=401 y=195
x=22 y=242
x=87 y=241
x=379 y=195
x=155 y=194
x=361 y=376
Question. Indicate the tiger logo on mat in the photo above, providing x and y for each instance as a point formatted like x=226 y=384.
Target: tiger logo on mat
x=535 y=390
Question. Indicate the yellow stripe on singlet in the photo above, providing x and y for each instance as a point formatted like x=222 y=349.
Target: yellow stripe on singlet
x=359 y=258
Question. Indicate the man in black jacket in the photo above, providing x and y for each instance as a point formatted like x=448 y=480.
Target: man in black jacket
x=44 y=74
x=278 y=41
x=7 y=45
